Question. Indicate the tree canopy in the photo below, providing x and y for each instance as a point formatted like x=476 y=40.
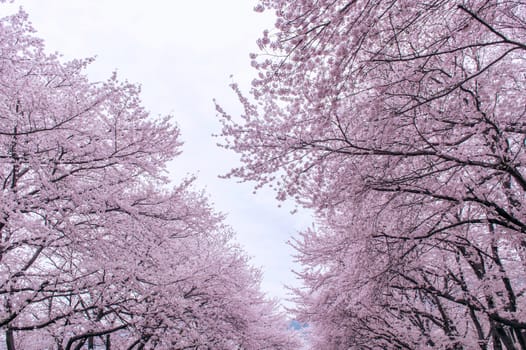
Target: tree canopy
x=401 y=123
x=98 y=249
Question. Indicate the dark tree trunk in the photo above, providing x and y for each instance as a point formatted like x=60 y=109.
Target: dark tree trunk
x=10 y=339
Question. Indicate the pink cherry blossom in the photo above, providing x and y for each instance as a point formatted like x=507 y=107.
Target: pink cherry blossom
x=97 y=248
x=401 y=124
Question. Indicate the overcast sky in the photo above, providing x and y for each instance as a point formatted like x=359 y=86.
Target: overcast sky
x=184 y=53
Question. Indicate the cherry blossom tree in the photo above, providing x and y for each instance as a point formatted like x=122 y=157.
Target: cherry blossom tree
x=97 y=248
x=400 y=124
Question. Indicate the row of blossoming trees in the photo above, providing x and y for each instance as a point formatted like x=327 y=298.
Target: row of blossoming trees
x=97 y=249
x=402 y=124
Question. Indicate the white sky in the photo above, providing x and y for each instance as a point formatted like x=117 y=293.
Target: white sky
x=183 y=53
